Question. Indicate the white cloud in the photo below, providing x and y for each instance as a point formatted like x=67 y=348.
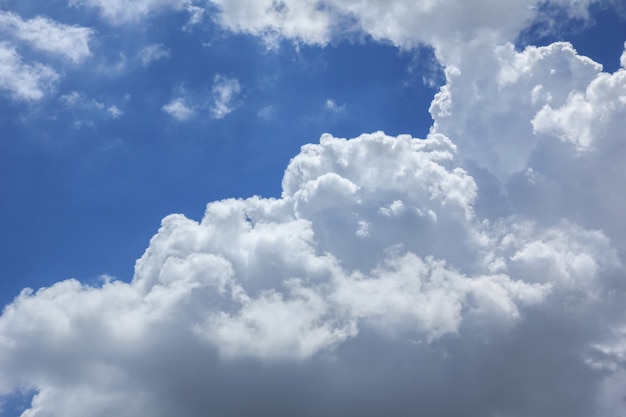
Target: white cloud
x=121 y=11
x=24 y=81
x=32 y=80
x=406 y=23
x=290 y=279
x=78 y=101
x=75 y=99
x=267 y=112
x=178 y=109
x=45 y=34
x=196 y=15
x=305 y=20
x=114 y=112
x=546 y=134
x=225 y=96
x=492 y=128
x=403 y=22
x=152 y=53
x=587 y=117
x=333 y=106
x=223 y=99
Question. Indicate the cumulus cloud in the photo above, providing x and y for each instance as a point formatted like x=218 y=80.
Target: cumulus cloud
x=476 y=272
x=287 y=290
x=545 y=135
x=517 y=86
x=225 y=93
x=21 y=80
x=403 y=22
x=178 y=109
x=71 y=42
x=588 y=115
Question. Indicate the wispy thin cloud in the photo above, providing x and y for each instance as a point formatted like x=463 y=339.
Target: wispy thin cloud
x=179 y=109
x=267 y=112
x=71 y=42
x=333 y=106
x=22 y=80
x=225 y=94
x=152 y=53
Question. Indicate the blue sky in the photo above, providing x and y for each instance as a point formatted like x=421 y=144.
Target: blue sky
x=114 y=117
x=85 y=190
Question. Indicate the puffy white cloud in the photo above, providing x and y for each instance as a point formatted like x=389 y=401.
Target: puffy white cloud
x=403 y=22
x=541 y=129
x=179 y=110
x=486 y=105
x=591 y=116
x=24 y=81
x=286 y=290
x=308 y=21
x=71 y=42
x=225 y=98
x=406 y=23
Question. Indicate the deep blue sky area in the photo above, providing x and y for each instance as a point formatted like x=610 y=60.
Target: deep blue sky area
x=82 y=192
x=601 y=38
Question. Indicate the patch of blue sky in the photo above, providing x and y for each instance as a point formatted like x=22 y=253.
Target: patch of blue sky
x=601 y=37
x=17 y=403
x=88 y=172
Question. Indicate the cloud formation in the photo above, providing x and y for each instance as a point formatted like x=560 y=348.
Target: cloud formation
x=87 y=108
x=71 y=42
x=153 y=52
x=24 y=81
x=30 y=80
x=403 y=22
x=478 y=271
x=332 y=106
x=179 y=110
x=120 y=12
x=225 y=96
x=288 y=290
